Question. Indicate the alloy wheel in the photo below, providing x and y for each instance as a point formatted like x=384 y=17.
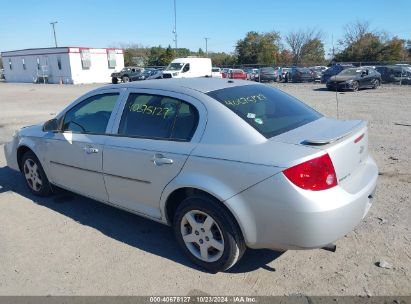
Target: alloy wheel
x=32 y=175
x=202 y=236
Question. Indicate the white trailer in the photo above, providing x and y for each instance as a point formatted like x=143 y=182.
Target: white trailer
x=73 y=65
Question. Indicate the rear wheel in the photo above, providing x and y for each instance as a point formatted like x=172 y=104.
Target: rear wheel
x=376 y=84
x=208 y=234
x=34 y=174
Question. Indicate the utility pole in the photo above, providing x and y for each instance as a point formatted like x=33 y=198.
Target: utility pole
x=206 y=41
x=54 y=31
x=175 y=27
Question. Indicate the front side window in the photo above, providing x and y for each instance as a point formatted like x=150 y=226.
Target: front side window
x=186 y=68
x=269 y=111
x=174 y=66
x=158 y=117
x=91 y=115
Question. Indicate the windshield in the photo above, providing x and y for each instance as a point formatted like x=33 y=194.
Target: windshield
x=268 y=110
x=175 y=66
x=350 y=72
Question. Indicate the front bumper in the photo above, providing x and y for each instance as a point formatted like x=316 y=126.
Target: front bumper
x=10 y=152
x=276 y=214
x=339 y=85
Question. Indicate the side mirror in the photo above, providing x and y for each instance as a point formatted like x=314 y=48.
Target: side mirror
x=363 y=73
x=51 y=125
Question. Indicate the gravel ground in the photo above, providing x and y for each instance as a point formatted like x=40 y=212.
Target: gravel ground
x=71 y=245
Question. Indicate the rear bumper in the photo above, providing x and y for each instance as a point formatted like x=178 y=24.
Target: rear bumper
x=277 y=214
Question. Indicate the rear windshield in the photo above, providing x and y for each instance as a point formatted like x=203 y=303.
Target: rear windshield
x=269 y=111
x=267 y=70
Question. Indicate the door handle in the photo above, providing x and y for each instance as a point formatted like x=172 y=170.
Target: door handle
x=90 y=149
x=159 y=159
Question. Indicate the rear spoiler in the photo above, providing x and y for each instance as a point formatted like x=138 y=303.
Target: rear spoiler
x=334 y=131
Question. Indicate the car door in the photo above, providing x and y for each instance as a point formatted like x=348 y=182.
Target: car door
x=74 y=154
x=151 y=142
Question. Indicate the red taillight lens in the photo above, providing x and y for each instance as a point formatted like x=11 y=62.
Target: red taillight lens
x=315 y=174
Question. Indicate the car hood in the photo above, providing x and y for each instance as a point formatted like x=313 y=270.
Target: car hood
x=340 y=78
x=34 y=130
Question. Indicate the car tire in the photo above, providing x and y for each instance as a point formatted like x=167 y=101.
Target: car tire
x=376 y=84
x=355 y=86
x=200 y=223
x=125 y=79
x=114 y=80
x=34 y=175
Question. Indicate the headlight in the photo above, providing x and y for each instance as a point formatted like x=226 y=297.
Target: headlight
x=175 y=74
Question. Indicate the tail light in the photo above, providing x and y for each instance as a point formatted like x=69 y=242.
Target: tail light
x=315 y=174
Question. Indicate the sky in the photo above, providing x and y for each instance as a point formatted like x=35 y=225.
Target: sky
x=91 y=23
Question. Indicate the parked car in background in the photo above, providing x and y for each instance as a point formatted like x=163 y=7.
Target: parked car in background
x=157 y=75
x=266 y=74
x=2 y=74
x=237 y=74
x=354 y=79
x=395 y=74
x=334 y=70
x=299 y=75
x=284 y=73
x=227 y=165
x=317 y=72
x=225 y=72
x=143 y=75
x=124 y=74
x=216 y=72
x=251 y=73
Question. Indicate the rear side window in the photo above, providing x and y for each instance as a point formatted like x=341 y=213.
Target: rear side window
x=269 y=111
x=158 y=117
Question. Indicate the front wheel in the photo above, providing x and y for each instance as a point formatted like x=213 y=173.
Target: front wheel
x=208 y=233
x=34 y=174
x=114 y=80
x=355 y=86
x=125 y=79
x=376 y=84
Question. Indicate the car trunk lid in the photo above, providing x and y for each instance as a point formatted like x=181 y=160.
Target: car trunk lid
x=346 y=142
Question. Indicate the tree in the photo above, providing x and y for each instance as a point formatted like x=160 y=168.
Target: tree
x=408 y=47
x=305 y=45
x=166 y=57
x=258 y=48
x=285 y=57
x=361 y=44
x=154 y=56
x=313 y=52
x=201 y=52
x=222 y=59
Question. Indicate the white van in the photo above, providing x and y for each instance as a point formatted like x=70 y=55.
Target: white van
x=188 y=68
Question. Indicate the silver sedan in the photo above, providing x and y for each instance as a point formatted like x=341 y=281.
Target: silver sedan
x=228 y=164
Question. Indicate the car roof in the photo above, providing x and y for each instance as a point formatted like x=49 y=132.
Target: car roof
x=200 y=84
